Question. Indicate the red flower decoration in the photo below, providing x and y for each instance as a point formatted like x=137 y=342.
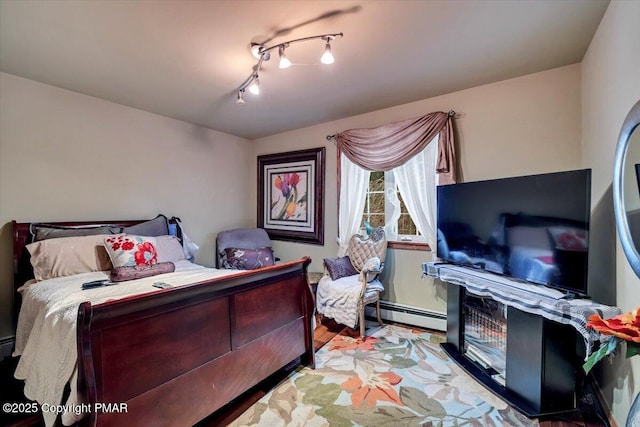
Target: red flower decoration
x=625 y=326
x=294 y=179
x=343 y=343
x=127 y=245
x=377 y=388
x=146 y=254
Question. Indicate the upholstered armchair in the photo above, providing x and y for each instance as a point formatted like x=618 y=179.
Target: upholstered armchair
x=244 y=249
x=351 y=282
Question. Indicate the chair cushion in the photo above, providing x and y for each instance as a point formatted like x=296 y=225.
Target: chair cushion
x=372 y=292
x=339 y=267
x=339 y=299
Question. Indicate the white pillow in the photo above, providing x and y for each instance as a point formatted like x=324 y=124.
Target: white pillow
x=66 y=256
x=169 y=249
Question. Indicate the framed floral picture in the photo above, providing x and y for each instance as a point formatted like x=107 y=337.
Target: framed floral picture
x=291 y=194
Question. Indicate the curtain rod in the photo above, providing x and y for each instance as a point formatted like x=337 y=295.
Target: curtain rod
x=452 y=114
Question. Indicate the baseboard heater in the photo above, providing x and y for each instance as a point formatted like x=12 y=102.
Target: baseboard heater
x=409 y=315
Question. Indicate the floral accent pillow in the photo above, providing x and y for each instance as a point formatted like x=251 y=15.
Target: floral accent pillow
x=248 y=259
x=339 y=267
x=126 y=250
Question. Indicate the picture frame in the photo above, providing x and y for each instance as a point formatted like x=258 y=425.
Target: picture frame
x=291 y=195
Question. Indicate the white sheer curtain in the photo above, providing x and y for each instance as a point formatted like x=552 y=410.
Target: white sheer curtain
x=393 y=202
x=354 y=182
x=416 y=180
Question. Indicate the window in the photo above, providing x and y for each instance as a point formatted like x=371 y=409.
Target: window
x=374 y=208
x=384 y=204
x=383 y=201
x=401 y=199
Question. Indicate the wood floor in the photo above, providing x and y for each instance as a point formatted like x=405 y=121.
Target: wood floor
x=589 y=414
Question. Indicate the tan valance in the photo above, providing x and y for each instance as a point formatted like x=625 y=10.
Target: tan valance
x=388 y=146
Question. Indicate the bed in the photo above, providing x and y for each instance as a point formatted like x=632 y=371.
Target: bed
x=159 y=357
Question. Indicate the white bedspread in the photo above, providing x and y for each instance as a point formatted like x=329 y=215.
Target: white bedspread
x=46 y=332
x=340 y=301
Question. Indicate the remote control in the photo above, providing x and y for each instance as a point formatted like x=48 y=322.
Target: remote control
x=96 y=284
x=162 y=285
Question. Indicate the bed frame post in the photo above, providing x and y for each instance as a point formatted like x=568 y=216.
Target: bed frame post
x=86 y=377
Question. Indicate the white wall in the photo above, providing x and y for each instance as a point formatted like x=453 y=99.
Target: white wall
x=67 y=156
x=610 y=86
x=515 y=127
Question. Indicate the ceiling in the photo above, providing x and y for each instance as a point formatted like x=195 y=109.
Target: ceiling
x=186 y=59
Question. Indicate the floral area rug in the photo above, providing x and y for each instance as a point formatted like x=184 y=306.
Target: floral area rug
x=397 y=377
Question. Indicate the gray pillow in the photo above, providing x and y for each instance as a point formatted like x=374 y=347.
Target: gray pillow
x=43 y=232
x=153 y=228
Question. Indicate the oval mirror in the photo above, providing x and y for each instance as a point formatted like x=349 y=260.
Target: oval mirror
x=626 y=187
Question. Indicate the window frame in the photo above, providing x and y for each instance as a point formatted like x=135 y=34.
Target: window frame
x=403 y=241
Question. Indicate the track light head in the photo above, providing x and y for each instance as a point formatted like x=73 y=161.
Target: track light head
x=254 y=87
x=240 y=99
x=327 y=56
x=284 y=61
x=260 y=51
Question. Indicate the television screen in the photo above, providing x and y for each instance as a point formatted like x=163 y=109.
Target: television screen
x=534 y=228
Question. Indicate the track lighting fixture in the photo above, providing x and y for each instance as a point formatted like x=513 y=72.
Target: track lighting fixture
x=263 y=53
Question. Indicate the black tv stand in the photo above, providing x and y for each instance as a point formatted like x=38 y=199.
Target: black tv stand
x=540 y=372
x=530 y=355
x=486 y=379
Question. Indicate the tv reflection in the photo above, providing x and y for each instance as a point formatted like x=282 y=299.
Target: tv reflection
x=540 y=249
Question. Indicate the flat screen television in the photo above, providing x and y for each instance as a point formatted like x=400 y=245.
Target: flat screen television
x=534 y=228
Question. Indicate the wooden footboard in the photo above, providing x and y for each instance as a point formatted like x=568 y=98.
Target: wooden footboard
x=173 y=357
